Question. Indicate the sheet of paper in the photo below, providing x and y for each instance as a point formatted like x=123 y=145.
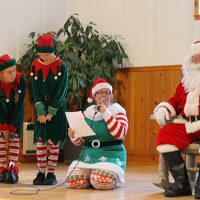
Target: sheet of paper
x=77 y=122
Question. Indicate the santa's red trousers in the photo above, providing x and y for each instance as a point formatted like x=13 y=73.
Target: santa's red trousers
x=175 y=134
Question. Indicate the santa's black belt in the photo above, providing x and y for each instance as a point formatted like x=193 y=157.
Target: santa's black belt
x=97 y=143
x=191 y=118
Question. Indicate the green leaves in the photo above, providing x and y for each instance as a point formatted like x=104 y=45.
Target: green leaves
x=87 y=53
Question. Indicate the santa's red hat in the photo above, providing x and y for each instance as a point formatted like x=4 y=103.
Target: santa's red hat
x=194 y=49
x=6 y=61
x=98 y=85
x=45 y=44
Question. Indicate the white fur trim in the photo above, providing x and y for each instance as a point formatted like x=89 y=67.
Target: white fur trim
x=179 y=120
x=168 y=106
x=192 y=103
x=165 y=148
x=114 y=109
x=192 y=127
x=92 y=113
x=101 y=86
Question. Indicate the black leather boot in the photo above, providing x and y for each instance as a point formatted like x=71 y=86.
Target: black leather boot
x=11 y=175
x=181 y=186
x=3 y=176
x=197 y=187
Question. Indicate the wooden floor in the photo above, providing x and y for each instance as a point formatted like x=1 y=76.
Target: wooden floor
x=137 y=187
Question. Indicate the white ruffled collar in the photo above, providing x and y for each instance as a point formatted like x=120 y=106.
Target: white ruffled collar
x=92 y=114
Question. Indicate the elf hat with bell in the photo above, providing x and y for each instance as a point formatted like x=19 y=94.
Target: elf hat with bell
x=6 y=61
x=98 y=85
x=45 y=44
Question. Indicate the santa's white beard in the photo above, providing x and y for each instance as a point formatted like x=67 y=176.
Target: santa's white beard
x=191 y=76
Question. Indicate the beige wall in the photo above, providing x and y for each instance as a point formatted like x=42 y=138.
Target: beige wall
x=20 y=17
x=155 y=32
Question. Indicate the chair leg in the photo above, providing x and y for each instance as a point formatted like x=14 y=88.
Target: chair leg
x=163 y=173
x=190 y=161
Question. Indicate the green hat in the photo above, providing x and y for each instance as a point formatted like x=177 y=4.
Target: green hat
x=6 y=62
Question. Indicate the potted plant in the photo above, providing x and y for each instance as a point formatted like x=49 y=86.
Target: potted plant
x=87 y=54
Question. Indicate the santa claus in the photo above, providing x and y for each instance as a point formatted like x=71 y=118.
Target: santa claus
x=183 y=108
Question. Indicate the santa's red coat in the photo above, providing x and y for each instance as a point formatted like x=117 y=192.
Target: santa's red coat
x=175 y=133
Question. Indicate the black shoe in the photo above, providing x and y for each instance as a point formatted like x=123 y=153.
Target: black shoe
x=3 y=176
x=39 y=180
x=50 y=179
x=11 y=176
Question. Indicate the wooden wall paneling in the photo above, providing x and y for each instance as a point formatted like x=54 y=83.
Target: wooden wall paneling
x=156 y=86
x=122 y=90
x=146 y=87
x=172 y=79
x=28 y=112
x=140 y=106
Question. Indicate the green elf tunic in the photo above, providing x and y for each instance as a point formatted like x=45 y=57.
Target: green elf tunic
x=49 y=87
x=12 y=97
x=112 y=157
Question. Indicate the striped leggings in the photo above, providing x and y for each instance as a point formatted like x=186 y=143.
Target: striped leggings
x=13 y=149
x=47 y=156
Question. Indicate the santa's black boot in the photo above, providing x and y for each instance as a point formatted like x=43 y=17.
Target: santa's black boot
x=181 y=186
x=197 y=187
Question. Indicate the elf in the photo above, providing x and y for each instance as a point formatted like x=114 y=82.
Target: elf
x=49 y=86
x=12 y=94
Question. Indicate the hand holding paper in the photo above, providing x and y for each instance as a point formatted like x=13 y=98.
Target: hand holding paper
x=78 y=124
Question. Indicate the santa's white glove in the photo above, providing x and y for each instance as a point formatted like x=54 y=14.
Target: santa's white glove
x=161 y=116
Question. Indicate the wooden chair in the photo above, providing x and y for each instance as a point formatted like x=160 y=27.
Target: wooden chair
x=191 y=152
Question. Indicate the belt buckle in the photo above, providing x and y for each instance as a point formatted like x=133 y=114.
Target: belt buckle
x=95 y=144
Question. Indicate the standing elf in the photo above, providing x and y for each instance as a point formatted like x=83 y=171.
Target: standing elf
x=12 y=94
x=49 y=85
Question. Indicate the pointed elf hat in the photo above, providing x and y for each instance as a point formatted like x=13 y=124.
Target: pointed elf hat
x=98 y=85
x=194 y=49
x=6 y=61
x=45 y=44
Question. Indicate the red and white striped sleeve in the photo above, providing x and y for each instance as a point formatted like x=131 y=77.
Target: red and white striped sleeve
x=77 y=141
x=117 y=124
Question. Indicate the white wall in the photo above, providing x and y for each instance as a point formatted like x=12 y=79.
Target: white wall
x=20 y=17
x=155 y=32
